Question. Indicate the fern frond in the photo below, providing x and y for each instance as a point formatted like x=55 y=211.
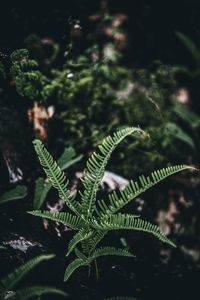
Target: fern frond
x=80 y=236
x=73 y=266
x=134 y=189
x=19 y=54
x=33 y=291
x=67 y=219
x=86 y=245
x=64 y=162
x=13 y=278
x=79 y=254
x=126 y=221
x=84 y=261
x=56 y=176
x=96 y=168
x=109 y=251
x=98 y=236
x=17 y=193
x=120 y=298
x=28 y=64
x=90 y=244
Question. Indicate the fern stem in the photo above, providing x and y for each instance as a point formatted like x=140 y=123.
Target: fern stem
x=96 y=269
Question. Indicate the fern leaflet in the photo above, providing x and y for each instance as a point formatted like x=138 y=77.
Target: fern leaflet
x=74 y=222
x=109 y=251
x=73 y=266
x=134 y=189
x=126 y=221
x=56 y=176
x=80 y=236
x=96 y=168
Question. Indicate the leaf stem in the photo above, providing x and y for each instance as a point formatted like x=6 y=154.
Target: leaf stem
x=96 y=269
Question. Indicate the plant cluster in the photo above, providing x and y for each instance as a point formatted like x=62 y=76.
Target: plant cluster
x=8 y=283
x=94 y=97
x=92 y=217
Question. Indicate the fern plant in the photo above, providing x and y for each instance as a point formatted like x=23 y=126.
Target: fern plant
x=7 y=283
x=29 y=80
x=91 y=217
x=66 y=160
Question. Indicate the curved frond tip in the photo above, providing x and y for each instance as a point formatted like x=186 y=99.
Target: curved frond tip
x=134 y=189
x=56 y=176
x=96 y=167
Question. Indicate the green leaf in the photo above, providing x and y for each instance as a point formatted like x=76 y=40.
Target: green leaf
x=33 y=291
x=79 y=254
x=109 y=251
x=66 y=156
x=13 y=278
x=96 y=168
x=41 y=192
x=17 y=193
x=175 y=131
x=190 y=45
x=73 y=266
x=187 y=115
x=71 y=162
x=126 y=221
x=99 y=252
x=134 y=189
x=65 y=160
x=67 y=219
x=56 y=176
x=80 y=236
x=98 y=236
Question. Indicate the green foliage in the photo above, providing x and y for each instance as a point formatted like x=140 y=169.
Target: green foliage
x=17 y=193
x=41 y=189
x=86 y=261
x=188 y=116
x=191 y=47
x=121 y=298
x=176 y=132
x=33 y=291
x=29 y=81
x=7 y=283
x=19 y=54
x=91 y=217
x=94 y=95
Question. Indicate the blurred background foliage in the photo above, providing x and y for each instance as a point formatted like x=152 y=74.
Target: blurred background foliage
x=101 y=66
